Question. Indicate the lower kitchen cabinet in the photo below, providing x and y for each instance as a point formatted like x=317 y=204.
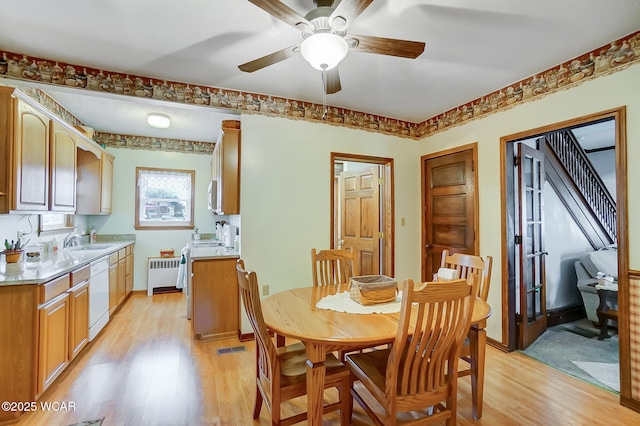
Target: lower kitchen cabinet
x=78 y=311
x=43 y=328
x=113 y=283
x=216 y=307
x=53 y=347
x=122 y=275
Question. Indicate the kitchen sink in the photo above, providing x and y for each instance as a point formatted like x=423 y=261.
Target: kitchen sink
x=91 y=247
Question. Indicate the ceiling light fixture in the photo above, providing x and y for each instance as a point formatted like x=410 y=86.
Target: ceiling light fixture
x=159 y=121
x=324 y=51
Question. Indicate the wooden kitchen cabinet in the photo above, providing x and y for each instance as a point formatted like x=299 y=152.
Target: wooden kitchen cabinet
x=225 y=169
x=129 y=270
x=113 y=283
x=63 y=169
x=78 y=311
x=122 y=275
x=216 y=307
x=106 y=183
x=53 y=345
x=24 y=150
x=50 y=166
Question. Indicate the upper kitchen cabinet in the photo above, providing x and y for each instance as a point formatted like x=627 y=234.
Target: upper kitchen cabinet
x=24 y=149
x=95 y=180
x=63 y=169
x=225 y=170
x=50 y=166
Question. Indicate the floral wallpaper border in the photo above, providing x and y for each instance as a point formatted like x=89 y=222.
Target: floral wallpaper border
x=599 y=62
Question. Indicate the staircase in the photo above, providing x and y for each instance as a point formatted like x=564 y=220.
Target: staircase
x=583 y=193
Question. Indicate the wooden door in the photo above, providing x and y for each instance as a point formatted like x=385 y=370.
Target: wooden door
x=532 y=315
x=450 y=207
x=32 y=159
x=360 y=218
x=63 y=170
x=54 y=341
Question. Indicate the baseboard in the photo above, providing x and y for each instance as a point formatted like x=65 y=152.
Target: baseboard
x=498 y=345
x=564 y=315
x=630 y=403
x=245 y=337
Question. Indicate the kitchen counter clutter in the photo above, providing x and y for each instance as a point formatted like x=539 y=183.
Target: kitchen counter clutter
x=56 y=264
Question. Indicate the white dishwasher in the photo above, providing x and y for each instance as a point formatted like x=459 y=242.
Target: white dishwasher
x=98 y=296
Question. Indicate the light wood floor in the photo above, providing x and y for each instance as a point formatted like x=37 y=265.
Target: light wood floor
x=144 y=369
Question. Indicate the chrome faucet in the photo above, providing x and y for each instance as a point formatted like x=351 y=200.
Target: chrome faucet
x=72 y=239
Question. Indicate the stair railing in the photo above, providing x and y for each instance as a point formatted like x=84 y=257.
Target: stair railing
x=574 y=159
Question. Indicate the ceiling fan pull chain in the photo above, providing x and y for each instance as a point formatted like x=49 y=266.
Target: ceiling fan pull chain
x=324 y=91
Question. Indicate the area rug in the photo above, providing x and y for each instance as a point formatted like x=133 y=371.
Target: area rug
x=96 y=422
x=579 y=354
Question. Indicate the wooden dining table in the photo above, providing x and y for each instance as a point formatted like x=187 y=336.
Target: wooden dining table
x=293 y=313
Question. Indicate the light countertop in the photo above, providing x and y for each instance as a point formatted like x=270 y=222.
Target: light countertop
x=55 y=265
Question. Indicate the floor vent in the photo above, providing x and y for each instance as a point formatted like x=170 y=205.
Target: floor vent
x=223 y=351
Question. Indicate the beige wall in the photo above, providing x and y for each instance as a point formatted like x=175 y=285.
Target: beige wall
x=285 y=196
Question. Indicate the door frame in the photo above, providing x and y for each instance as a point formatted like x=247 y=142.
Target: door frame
x=508 y=233
x=387 y=214
x=473 y=147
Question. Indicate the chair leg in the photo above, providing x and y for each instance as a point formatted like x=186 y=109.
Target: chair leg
x=346 y=403
x=258 y=404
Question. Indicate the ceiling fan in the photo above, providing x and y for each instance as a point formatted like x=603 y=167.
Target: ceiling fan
x=325 y=40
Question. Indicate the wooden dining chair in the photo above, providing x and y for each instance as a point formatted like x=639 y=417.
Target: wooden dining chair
x=281 y=371
x=417 y=377
x=467 y=264
x=332 y=267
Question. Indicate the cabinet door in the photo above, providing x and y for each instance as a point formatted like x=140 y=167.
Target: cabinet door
x=216 y=309
x=113 y=288
x=63 y=170
x=31 y=159
x=106 y=184
x=54 y=340
x=78 y=318
x=122 y=271
x=128 y=274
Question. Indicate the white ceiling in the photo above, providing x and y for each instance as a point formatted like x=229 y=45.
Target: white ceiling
x=473 y=48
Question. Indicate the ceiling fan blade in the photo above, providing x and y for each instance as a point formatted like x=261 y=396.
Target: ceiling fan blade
x=388 y=46
x=333 y=81
x=271 y=59
x=281 y=11
x=350 y=9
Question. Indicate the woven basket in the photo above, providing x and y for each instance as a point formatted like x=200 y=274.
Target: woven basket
x=373 y=289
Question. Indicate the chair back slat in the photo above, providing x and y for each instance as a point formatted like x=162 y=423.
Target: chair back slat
x=331 y=267
x=424 y=362
x=466 y=265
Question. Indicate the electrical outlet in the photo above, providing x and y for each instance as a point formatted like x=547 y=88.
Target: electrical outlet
x=265 y=290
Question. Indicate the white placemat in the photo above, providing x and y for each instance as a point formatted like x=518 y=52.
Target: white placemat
x=341 y=302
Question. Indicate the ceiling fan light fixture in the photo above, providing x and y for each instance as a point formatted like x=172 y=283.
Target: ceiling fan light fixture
x=324 y=50
x=159 y=121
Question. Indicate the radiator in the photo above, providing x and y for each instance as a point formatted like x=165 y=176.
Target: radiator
x=161 y=272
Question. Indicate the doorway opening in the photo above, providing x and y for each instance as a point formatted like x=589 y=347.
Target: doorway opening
x=362 y=213
x=550 y=225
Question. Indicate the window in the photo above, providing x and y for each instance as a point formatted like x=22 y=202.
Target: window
x=164 y=198
x=55 y=223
